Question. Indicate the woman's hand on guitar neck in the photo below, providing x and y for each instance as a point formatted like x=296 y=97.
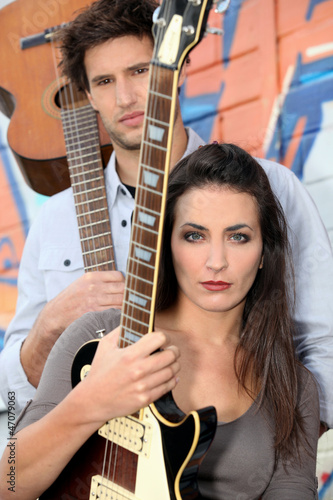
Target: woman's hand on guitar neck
x=94 y=291
x=123 y=380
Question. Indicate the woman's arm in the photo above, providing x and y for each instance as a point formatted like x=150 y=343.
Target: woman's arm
x=297 y=481
x=120 y=382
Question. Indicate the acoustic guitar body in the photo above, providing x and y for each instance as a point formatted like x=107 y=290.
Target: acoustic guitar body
x=29 y=92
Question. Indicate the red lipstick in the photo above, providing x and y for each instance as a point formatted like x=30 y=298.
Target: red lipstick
x=215 y=286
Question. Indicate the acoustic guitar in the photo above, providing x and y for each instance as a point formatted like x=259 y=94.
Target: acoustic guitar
x=154 y=454
x=29 y=91
x=85 y=168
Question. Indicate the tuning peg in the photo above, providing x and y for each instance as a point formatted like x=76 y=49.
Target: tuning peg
x=213 y=31
x=221 y=5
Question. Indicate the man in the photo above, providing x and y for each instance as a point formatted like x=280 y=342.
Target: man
x=106 y=51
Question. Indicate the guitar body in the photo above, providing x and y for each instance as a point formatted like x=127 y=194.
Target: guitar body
x=161 y=463
x=29 y=93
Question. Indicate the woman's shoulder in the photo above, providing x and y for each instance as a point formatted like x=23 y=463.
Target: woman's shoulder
x=307 y=388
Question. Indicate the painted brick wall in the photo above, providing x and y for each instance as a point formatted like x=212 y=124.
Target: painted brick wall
x=267 y=85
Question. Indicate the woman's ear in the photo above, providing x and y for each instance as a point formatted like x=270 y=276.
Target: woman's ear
x=261 y=265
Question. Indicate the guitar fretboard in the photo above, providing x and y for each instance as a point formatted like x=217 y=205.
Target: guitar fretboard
x=87 y=180
x=142 y=267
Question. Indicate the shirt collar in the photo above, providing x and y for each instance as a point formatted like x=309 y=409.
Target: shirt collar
x=114 y=184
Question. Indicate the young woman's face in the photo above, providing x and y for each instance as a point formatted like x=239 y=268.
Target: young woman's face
x=216 y=246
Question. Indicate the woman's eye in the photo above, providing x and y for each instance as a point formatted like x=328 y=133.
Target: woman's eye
x=193 y=236
x=239 y=237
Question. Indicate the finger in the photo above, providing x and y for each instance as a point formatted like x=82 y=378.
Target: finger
x=109 y=300
x=159 y=391
x=148 y=344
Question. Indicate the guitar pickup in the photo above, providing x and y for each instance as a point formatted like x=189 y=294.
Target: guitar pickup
x=129 y=433
x=103 y=489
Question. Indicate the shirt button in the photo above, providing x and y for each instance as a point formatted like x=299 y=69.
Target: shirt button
x=124 y=223
x=67 y=262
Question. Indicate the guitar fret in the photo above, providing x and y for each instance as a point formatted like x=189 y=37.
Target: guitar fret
x=131 y=336
x=89 y=252
x=93 y=179
x=86 y=172
x=159 y=94
x=155 y=120
x=99 y=264
x=89 y=201
x=91 y=212
x=144 y=228
x=137 y=306
x=147 y=209
x=81 y=148
x=84 y=132
x=153 y=169
x=128 y=273
x=152 y=145
x=79 y=120
x=90 y=224
x=141 y=263
x=128 y=288
x=80 y=110
x=86 y=155
x=86 y=191
x=96 y=236
x=135 y=320
x=150 y=190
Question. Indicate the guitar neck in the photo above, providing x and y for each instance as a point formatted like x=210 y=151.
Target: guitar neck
x=142 y=268
x=87 y=180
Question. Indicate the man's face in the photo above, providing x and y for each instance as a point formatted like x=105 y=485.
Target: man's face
x=118 y=75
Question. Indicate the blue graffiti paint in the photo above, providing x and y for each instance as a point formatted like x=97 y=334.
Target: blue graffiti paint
x=200 y=112
x=230 y=25
x=324 y=489
x=312 y=85
x=313 y=4
x=7 y=163
x=9 y=263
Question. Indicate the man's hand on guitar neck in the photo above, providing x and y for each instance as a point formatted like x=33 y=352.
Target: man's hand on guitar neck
x=94 y=291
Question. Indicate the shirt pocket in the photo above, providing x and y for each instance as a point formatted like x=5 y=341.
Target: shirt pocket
x=60 y=266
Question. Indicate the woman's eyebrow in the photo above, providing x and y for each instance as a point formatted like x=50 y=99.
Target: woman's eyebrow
x=236 y=227
x=195 y=226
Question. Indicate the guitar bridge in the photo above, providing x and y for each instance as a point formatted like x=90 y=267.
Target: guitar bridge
x=129 y=433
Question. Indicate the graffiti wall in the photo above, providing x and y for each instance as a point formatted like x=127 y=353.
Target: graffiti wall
x=266 y=84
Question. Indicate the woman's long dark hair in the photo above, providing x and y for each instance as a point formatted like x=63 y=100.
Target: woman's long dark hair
x=265 y=350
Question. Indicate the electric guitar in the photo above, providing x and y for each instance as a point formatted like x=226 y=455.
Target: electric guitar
x=154 y=454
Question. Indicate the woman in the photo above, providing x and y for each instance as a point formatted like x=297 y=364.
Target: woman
x=223 y=305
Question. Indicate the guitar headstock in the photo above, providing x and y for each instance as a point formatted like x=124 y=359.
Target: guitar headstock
x=178 y=27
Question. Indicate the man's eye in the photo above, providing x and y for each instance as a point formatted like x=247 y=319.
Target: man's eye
x=105 y=81
x=141 y=71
